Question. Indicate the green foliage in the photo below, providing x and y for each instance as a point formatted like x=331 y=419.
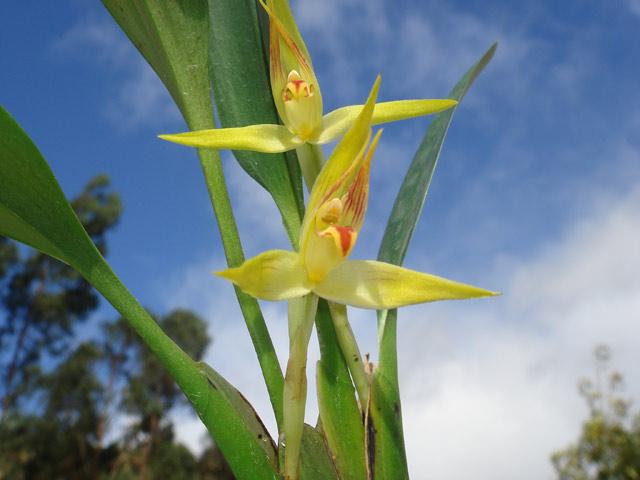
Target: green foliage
x=239 y=74
x=385 y=443
x=340 y=414
x=34 y=210
x=609 y=445
x=55 y=421
x=44 y=299
x=173 y=37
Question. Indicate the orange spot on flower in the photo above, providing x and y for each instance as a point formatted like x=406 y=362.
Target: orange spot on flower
x=347 y=238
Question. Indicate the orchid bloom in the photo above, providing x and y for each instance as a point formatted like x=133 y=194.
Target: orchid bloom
x=334 y=216
x=298 y=99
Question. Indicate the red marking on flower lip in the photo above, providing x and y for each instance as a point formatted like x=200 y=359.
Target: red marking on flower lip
x=346 y=238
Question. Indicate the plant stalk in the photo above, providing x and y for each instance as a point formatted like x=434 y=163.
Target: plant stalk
x=219 y=195
x=350 y=351
x=302 y=314
x=311 y=158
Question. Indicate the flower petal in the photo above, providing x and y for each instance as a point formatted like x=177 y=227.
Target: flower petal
x=338 y=121
x=346 y=154
x=371 y=284
x=282 y=12
x=272 y=275
x=288 y=54
x=265 y=138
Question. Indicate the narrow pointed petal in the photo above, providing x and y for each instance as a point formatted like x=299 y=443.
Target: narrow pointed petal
x=335 y=123
x=350 y=148
x=259 y=138
x=357 y=197
x=283 y=13
x=272 y=275
x=379 y=285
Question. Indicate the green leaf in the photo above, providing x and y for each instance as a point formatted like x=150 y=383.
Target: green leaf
x=340 y=415
x=229 y=403
x=413 y=192
x=387 y=456
x=315 y=459
x=240 y=79
x=34 y=210
x=173 y=37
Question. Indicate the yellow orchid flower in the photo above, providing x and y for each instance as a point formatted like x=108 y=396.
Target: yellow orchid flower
x=334 y=216
x=298 y=99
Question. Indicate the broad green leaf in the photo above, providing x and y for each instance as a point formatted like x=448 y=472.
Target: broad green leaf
x=240 y=78
x=34 y=210
x=340 y=416
x=173 y=37
x=315 y=459
x=230 y=403
x=385 y=421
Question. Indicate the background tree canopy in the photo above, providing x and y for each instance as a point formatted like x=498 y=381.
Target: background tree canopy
x=92 y=408
x=609 y=444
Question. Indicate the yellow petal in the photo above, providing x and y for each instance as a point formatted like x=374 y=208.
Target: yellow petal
x=282 y=12
x=327 y=249
x=379 y=285
x=338 y=121
x=288 y=54
x=272 y=275
x=348 y=151
x=259 y=138
x=357 y=197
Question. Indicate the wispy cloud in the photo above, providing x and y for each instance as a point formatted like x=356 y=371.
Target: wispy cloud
x=135 y=98
x=495 y=382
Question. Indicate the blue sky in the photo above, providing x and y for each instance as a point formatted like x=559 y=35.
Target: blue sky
x=537 y=194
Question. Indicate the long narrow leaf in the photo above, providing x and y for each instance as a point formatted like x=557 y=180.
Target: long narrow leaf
x=388 y=458
x=34 y=210
x=172 y=37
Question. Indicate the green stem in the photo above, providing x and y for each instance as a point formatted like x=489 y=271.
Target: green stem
x=181 y=367
x=311 y=161
x=302 y=314
x=216 y=413
x=311 y=158
x=350 y=351
x=214 y=177
x=199 y=116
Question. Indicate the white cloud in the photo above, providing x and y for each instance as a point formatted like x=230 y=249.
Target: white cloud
x=135 y=97
x=634 y=6
x=492 y=382
x=420 y=51
x=497 y=380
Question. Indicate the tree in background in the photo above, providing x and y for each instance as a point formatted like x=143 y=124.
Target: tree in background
x=60 y=403
x=609 y=445
x=149 y=393
x=43 y=300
